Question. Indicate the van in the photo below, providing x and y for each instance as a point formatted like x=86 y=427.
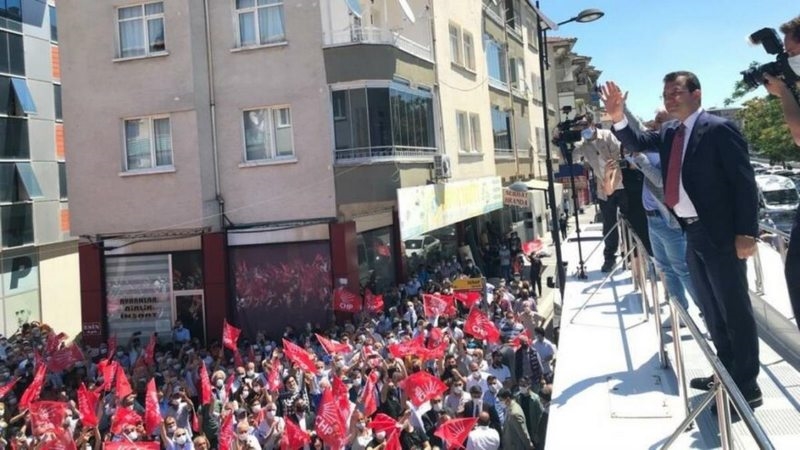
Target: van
x=778 y=199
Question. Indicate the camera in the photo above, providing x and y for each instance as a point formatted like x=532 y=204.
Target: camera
x=624 y=164
x=569 y=130
x=754 y=76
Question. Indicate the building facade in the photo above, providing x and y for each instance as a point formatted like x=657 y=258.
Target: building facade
x=39 y=259
x=245 y=158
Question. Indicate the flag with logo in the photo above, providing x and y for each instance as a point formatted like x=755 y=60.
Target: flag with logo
x=421 y=387
x=31 y=394
x=373 y=303
x=230 y=336
x=152 y=412
x=328 y=424
x=87 y=406
x=64 y=358
x=123 y=386
x=138 y=445
x=294 y=437
x=123 y=417
x=205 y=385
x=332 y=347
x=469 y=299
x=6 y=388
x=46 y=416
x=479 y=325
x=438 y=306
x=369 y=399
x=227 y=435
x=455 y=431
x=299 y=356
x=346 y=301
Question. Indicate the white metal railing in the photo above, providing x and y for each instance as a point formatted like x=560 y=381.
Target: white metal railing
x=378 y=35
x=387 y=152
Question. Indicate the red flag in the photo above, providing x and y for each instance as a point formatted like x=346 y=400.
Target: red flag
x=31 y=394
x=237 y=358
x=64 y=358
x=46 y=416
x=195 y=422
x=342 y=397
x=112 y=346
x=205 y=385
x=294 y=437
x=274 y=381
x=122 y=417
x=533 y=246
x=469 y=299
x=7 y=388
x=436 y=305
x=227 y=435
x=230 y=336
x=152 y=413
x=344 y=300
x=393 y=441
x=109 y=369
x=382 y=422
x=368 y=398
x=87 y=406
x=405 y=348
x=427 y=354
x=479 y=325
x=455 y=431
x=58 y=439
x=329 y=425
x=150 y=350
x=123 y=386
x=229 y=383
x=53 y=342
x=332 y=347
x=138 y=445
x=373 y=303
x=299 y=357
x=422 y=386
x=516 y=343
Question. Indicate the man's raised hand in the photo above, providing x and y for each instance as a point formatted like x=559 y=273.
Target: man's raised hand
x=614 y=100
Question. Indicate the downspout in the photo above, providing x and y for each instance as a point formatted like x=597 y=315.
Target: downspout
x=437 y=90
x=213 y=112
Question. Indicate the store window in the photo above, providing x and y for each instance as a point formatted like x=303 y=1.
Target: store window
x=376 y=267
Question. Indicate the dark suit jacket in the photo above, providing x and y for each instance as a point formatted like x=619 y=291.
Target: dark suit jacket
x=716 y=172
x=310 y=419
x=494 y=419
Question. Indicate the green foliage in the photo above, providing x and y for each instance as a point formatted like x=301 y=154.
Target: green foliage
x=765 y=129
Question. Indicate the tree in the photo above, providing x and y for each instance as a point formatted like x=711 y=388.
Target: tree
x=763 y=124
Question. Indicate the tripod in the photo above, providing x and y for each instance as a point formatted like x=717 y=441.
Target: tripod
x=566 y=150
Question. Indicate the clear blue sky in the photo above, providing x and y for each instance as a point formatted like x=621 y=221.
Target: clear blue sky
x=638 y=41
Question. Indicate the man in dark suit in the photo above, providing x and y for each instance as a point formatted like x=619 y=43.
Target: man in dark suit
x=476 y=406
x=710 y=186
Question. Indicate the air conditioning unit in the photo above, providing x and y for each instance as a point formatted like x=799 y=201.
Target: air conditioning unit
x=441 y=167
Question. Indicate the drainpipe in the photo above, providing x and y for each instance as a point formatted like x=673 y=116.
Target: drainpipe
x=213 y=112
x=438 y=107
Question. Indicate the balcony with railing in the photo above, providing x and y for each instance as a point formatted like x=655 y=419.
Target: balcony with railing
x=356 y=35
x=384 y=153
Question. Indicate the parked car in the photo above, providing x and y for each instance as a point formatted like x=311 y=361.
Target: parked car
x=421 y=246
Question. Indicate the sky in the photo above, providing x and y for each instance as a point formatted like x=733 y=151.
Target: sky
x=637 y=42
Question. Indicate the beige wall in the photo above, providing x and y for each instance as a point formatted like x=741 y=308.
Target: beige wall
x=462 y=90
x=60 y=287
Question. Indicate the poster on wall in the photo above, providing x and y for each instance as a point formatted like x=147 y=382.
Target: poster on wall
x=139 y=295
x=20 y=309
x=277 y=285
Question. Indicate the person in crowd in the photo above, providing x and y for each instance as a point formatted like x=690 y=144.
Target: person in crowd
x=532 y=407
x=500 y=371
x=714 y=195
x=546 y=351
x=180 y=335
x=483 y=437
x=515 y=432
x=476 y=406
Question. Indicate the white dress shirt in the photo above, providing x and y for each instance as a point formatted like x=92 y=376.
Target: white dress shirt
x=685 y=207
x=483 y=438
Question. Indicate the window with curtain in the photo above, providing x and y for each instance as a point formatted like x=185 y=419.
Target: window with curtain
x=496 y=60
x=268 y=134
x=261 y=22
x=141 y=30
x=148 y=143
x=501 y=130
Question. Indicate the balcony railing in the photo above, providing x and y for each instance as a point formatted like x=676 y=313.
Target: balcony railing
x=378 y=35
x=503 y=153
x=384 y=153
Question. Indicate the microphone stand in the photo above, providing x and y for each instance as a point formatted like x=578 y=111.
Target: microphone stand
x=567 y=151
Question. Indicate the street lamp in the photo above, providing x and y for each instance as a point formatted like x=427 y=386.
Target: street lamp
x=587 y=15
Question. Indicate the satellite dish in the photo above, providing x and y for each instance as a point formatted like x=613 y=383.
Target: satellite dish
x=354 y=6
x=407 y=10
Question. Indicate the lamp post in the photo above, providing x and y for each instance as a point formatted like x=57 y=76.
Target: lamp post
x=587 y=15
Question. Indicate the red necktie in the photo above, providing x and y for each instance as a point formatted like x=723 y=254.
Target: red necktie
x=672 y=186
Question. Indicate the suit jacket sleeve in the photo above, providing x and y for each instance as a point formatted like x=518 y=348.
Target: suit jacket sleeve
x=737 y=169
x=636 y=140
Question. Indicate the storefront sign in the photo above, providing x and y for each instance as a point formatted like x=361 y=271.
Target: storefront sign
x=516 y=198
x=425 y=208
x=20 y=274
x=92 y=329
x=468 y=284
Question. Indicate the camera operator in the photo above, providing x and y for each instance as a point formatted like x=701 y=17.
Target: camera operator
x=597 y=148
x=791 y=113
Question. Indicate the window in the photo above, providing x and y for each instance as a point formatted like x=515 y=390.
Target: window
x=14 y=138
x=11 y=14
x=53 y=23
x=62 y=181
x=469 y=51
x=12 y=54
x=496 y=60
x=455 y=45
x=141 y=30
x=501 y=129
x=261 y=22
x=462 y=123
x=148 y=143
x=268 y=134
x=15 y=97
x=475 y=131
x=19 y=183
x=57 y=101
x=17 y=223
x=23 y=96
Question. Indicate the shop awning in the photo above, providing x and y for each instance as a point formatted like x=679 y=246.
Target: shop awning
x=539 y=185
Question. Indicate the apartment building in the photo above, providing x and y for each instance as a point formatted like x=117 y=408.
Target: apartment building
x=39 y=259
x=245 y=158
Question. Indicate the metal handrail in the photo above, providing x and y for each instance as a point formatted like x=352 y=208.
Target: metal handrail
x=724 y=388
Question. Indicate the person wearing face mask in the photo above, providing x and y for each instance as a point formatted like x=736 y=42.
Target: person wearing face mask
x=360 y=433
x=595 y=149
x=477 y=406
x=378 y=441
x=476 y=377
x=791 y=114
x=180 y=408
x=430 y=420
x=245 y=439
x=180 y=440
x=302 y=416
x=532 y=407
x=456 y=398
x=271 y=428
x=471 y=270
x=180 y=335
x=515 y=434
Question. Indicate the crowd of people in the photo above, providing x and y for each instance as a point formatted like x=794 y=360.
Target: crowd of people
x=354 y=384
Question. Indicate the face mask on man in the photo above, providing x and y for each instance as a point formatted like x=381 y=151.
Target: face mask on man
x=794 y=63
x=587 y=133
